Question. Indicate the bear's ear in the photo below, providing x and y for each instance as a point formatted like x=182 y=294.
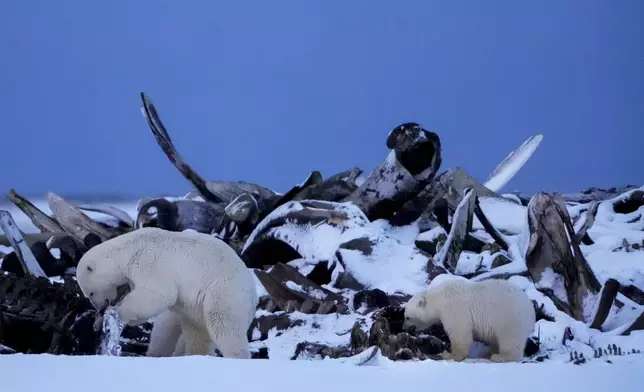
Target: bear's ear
x=89 y=268
x=422 y=303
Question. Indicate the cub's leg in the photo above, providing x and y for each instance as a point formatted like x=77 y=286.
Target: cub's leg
x=509 y=351
x=461 y=337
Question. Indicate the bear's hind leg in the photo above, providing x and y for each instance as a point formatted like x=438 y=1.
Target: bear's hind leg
x=231 y=340
x=511 y=351
x=492 y=348
x=196 y=340
x=234 y=346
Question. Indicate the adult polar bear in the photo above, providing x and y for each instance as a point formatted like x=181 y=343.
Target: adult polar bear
x=494 y=311
x=184 y=275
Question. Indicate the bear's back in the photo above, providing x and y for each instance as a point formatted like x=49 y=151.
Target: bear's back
x=188 y=249
x=486 y=297
x=498 y=288
x=166 y=252
x=498 y=298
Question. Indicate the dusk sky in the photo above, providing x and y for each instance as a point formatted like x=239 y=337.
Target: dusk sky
x=266 y=91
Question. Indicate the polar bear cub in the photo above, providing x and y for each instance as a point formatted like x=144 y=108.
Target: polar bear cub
x=191 y=276
x=494 y=311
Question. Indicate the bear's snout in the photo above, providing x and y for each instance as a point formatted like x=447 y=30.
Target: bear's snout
x=101 y=306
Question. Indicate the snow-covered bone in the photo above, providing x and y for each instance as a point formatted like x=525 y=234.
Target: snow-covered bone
x=75 y=222
x=509 y=167
x=26 y=258
x=121 y=216
x=461 y=224
x=414 y=158
x=291 y=232
x=42 y=221
x=555 y=261
x=212 y=191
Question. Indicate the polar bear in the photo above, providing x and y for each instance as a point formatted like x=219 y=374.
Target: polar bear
x=494 y=311
x=166 y=338
x=198 y=278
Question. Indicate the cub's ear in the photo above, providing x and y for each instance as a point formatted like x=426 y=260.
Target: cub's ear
x=422 y=303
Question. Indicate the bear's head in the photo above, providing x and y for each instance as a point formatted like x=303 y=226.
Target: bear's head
x=418 y=314
x=100 y=281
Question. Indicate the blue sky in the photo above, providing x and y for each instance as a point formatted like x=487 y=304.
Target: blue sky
x=265 y=92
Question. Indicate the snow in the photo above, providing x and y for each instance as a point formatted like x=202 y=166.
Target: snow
x=432 y=234
x=330 y=329
x=392 y=266
x=553 y=281
x=395 y=265
x=608 y=232
x=317 y=294
x=108 y=374
x=470 y=262
x=505 y=215
x=317 y=242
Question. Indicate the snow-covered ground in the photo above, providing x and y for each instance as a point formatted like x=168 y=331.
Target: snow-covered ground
x=108 y=374
x=558 y=372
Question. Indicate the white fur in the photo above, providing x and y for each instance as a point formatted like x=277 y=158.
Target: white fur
x=190 y=277
x=165 y=335
x=494 y=311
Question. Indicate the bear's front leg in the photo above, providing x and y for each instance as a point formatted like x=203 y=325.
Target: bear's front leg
x=180 y=347
x=460 y=336
x=165 y=334
x=141 y=304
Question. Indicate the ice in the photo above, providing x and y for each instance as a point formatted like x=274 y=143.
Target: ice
x=112 y=328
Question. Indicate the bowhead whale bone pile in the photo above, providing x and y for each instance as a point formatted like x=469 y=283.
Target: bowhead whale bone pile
x=335 y=258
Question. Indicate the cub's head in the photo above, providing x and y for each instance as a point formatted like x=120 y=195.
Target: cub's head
x=99 y=281
x=419 y=313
